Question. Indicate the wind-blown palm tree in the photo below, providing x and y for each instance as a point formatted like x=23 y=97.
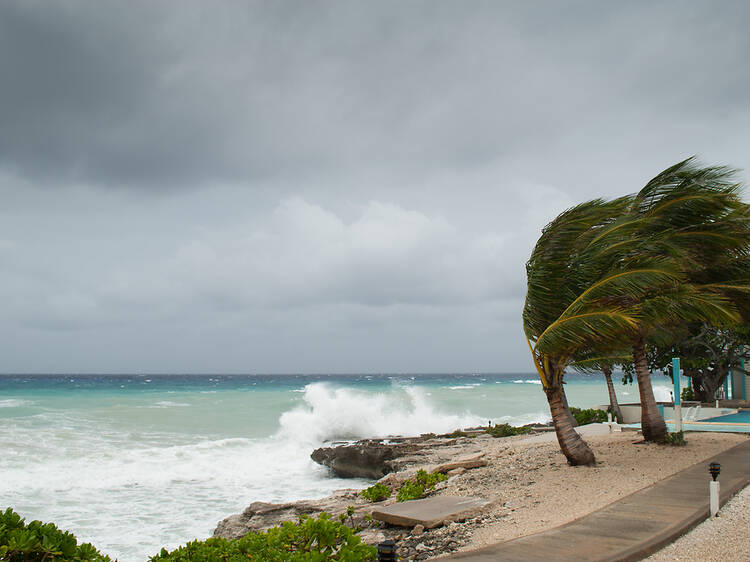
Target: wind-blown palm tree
x=607 y=272
x=694 y=217
x=566 y=313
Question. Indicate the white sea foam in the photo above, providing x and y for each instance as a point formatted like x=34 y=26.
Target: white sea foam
x=662 y=393
x=542 y=417
x=341 y=413
x=131 y=496
x=463 y=387
x=14 y=403
x=170 y=404
x=527 y=381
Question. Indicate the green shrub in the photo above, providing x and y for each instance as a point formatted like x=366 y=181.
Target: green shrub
x=37 y=541
x=457 y=433
x=376 y=493
x=687 y=393
x=311 y=539
x=410 y=491
x=415 y=489
x=505 y=430
x=428 y=481
x=676 y=439
x=590 y=415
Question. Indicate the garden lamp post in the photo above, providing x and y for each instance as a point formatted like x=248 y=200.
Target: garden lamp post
x=387 y=551
x=714 y=470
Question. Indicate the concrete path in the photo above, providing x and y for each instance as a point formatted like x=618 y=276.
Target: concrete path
x=634 y=527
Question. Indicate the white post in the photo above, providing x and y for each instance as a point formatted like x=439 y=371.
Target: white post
x=609 y=421
x=713 y=497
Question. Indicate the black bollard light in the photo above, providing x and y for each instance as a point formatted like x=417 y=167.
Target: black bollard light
x=714 y=470
x=387 y=551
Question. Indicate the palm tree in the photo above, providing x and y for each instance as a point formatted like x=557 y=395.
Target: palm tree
x=607 y=272
x=614 y=406
x=694 y=217
x=566 y=313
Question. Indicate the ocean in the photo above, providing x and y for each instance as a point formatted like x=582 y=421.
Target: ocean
x=132 y=463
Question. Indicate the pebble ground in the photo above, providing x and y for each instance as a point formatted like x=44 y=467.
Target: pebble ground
x=723 y=538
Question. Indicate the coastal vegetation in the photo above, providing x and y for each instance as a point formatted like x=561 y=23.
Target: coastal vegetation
x=608 y=279
x=321 y=538
x=310 y=539
x=584 y=416
x=37 y=541
x=506 y=430
x=376 y=493
x=423 y=482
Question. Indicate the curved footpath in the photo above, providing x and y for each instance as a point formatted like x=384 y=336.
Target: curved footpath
x=631 y=528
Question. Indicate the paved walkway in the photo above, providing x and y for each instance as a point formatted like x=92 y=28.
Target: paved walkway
x=634 y=527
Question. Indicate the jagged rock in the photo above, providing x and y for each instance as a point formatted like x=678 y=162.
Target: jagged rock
x=375 y=458
x=367 y=460
x=473 y=461
x=372 y=536
x=260 y=516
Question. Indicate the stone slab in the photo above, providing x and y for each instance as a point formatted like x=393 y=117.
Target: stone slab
x=472 y=461
x=430 y=512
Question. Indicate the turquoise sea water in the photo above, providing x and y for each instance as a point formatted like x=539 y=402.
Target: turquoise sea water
x=132 y=463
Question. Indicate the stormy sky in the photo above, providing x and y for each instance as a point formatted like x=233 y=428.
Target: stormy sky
x=311 y=186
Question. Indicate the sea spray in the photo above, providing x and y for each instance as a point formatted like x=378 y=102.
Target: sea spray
x=343 y=413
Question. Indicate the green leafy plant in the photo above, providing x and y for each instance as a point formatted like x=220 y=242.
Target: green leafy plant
x=376 y=493
x=505 y=430
x=589 y=415
x=428 y=480
x=37 y=541
x=457 y=433
x=310 y=539
x=410 y=491
x=687 y=393
x=415 y=489
x=676 y=439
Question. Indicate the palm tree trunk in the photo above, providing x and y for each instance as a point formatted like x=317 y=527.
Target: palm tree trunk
x=614 y=406
x=652 y=424
x=573 y=446
x=573 y=420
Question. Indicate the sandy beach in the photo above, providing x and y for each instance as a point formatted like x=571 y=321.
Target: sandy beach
x=532 y=488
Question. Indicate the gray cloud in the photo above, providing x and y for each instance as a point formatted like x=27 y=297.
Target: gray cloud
x=303 y=186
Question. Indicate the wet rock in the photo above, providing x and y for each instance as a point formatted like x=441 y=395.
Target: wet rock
x=376 y=458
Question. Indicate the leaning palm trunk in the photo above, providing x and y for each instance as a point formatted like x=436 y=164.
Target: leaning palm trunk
x=573 y=446
x=652 y=424
x=614 y=406
x=551 y=371
x=573 y=420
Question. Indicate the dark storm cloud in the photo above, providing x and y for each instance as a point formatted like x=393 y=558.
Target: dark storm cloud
x=142 y=93
x=347 y=186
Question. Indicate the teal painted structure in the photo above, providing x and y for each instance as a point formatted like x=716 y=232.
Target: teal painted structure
x=676 y=379
x=744 y=379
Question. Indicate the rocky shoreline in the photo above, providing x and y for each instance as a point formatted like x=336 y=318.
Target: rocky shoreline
x=526 y=479
x=392 y=461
